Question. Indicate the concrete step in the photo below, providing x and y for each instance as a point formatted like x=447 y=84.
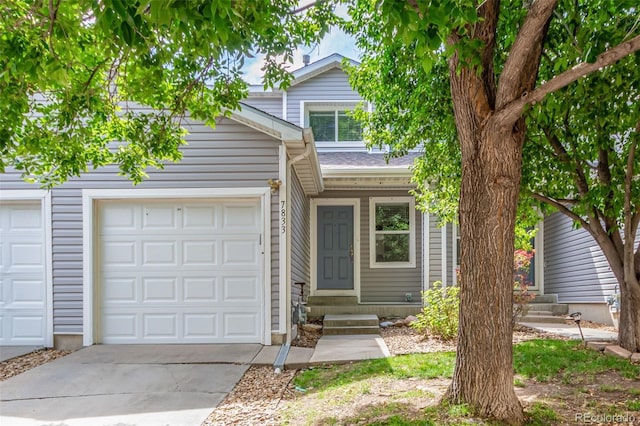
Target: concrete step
x=543 y=313
x=382 y=311
x=554 y=308
x=352 y=329
x=333 y=325
x=331 y=300
x=546 y=298
x=546 y=319
x=350 y=320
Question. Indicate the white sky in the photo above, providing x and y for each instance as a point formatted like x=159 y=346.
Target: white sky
x=336 y=41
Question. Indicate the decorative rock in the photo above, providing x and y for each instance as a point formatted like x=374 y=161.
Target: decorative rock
x=399 y=323
x=408 y=320
x=617 y=351
x=386 y=324
x=598 y=346
x=635 y=358
x=313 y=328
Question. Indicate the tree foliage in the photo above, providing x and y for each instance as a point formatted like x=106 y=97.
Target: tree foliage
x=459 y=79
x=70 y=69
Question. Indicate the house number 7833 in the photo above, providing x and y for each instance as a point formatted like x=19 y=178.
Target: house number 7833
x=283 y=217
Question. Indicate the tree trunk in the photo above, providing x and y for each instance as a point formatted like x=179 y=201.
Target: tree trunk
x=629 y=325
x=483 y=376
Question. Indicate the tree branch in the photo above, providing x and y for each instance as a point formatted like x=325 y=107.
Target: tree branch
x=513 y=110
x=580 y=178
x=562 y=209
x=521 y=68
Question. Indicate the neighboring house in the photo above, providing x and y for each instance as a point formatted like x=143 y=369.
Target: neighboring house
x=215 y=249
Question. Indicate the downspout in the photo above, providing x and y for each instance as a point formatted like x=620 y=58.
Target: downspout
x=284 y=350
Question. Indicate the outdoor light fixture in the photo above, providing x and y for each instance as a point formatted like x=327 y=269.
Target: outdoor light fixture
x=274 y=184
x=576 y=316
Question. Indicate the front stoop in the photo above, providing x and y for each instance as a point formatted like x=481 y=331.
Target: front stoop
x=333 y=325
x=545 y=309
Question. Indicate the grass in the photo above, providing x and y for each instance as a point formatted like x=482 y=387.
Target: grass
x=546 y=360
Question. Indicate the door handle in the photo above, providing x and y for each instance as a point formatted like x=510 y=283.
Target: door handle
x=351 y=252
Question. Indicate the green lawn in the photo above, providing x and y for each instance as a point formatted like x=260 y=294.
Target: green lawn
x=405 y=390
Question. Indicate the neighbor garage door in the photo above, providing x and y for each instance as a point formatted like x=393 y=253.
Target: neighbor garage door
x=180 y=271
x=22 y=274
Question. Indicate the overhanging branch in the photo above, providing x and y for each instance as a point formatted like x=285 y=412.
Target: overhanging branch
x=562 y=208
x=512 y=111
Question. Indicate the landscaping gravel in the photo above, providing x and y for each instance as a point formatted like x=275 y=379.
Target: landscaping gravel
x=20 y=364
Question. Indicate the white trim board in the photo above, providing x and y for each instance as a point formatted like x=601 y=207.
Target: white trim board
x=89 y=253
x=45 y=210
x=315 y=202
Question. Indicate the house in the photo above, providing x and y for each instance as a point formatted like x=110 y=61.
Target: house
x=281 y=201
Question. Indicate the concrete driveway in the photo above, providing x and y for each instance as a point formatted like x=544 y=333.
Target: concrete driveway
x=126 y=385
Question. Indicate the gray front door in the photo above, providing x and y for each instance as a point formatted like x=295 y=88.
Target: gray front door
x=335 y=248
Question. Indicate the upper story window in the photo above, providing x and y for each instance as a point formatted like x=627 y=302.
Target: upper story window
x=334 y=129
x=334 y=126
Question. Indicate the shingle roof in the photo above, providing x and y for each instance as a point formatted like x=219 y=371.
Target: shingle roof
x=360 y=160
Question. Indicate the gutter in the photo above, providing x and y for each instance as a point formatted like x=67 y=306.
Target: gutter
x=278 y=364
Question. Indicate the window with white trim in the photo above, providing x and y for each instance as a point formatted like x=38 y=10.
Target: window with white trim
x=392 y=232
x=334 y=126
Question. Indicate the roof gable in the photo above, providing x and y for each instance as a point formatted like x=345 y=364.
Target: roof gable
x=323 y=65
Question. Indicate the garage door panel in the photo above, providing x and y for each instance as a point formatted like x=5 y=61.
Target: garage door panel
x=241 y=218
x=27 y=292
x=198 y=326
x=199 y=253
x=119 y=217
x=25 y=219
x=159 y=253
x=203 y=289
x=159 y=218
x=118 y=326
x=161 y=290
x=198 y=218
x=26 y=255
x=119 y=290
x=22 y=269
x=240 y=289
x=240 y=253
x=163 y=326
x=240 y=325
x=188 y=272
x=119 y=253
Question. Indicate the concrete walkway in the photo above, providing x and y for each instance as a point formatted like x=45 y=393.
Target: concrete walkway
x=8 y=352
x=572 y=332
x=126 y=385
x=154 y=384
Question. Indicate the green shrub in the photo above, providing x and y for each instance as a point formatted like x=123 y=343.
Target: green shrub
x=439 y=316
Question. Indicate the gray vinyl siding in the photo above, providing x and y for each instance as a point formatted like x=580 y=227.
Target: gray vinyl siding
x=300 y=237
x=332 y=85
x=435 y=250
x=575 y=267
x=232 y=155
x=449 y=229
x=269 y=104
x=382 y=285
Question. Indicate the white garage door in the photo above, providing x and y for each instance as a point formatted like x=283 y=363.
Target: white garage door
x=22 y=274
x=180 y=271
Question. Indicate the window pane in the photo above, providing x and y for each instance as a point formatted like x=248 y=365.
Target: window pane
x=392 y=217
x=392 y=248
x=323 y=125
x=348 y=128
